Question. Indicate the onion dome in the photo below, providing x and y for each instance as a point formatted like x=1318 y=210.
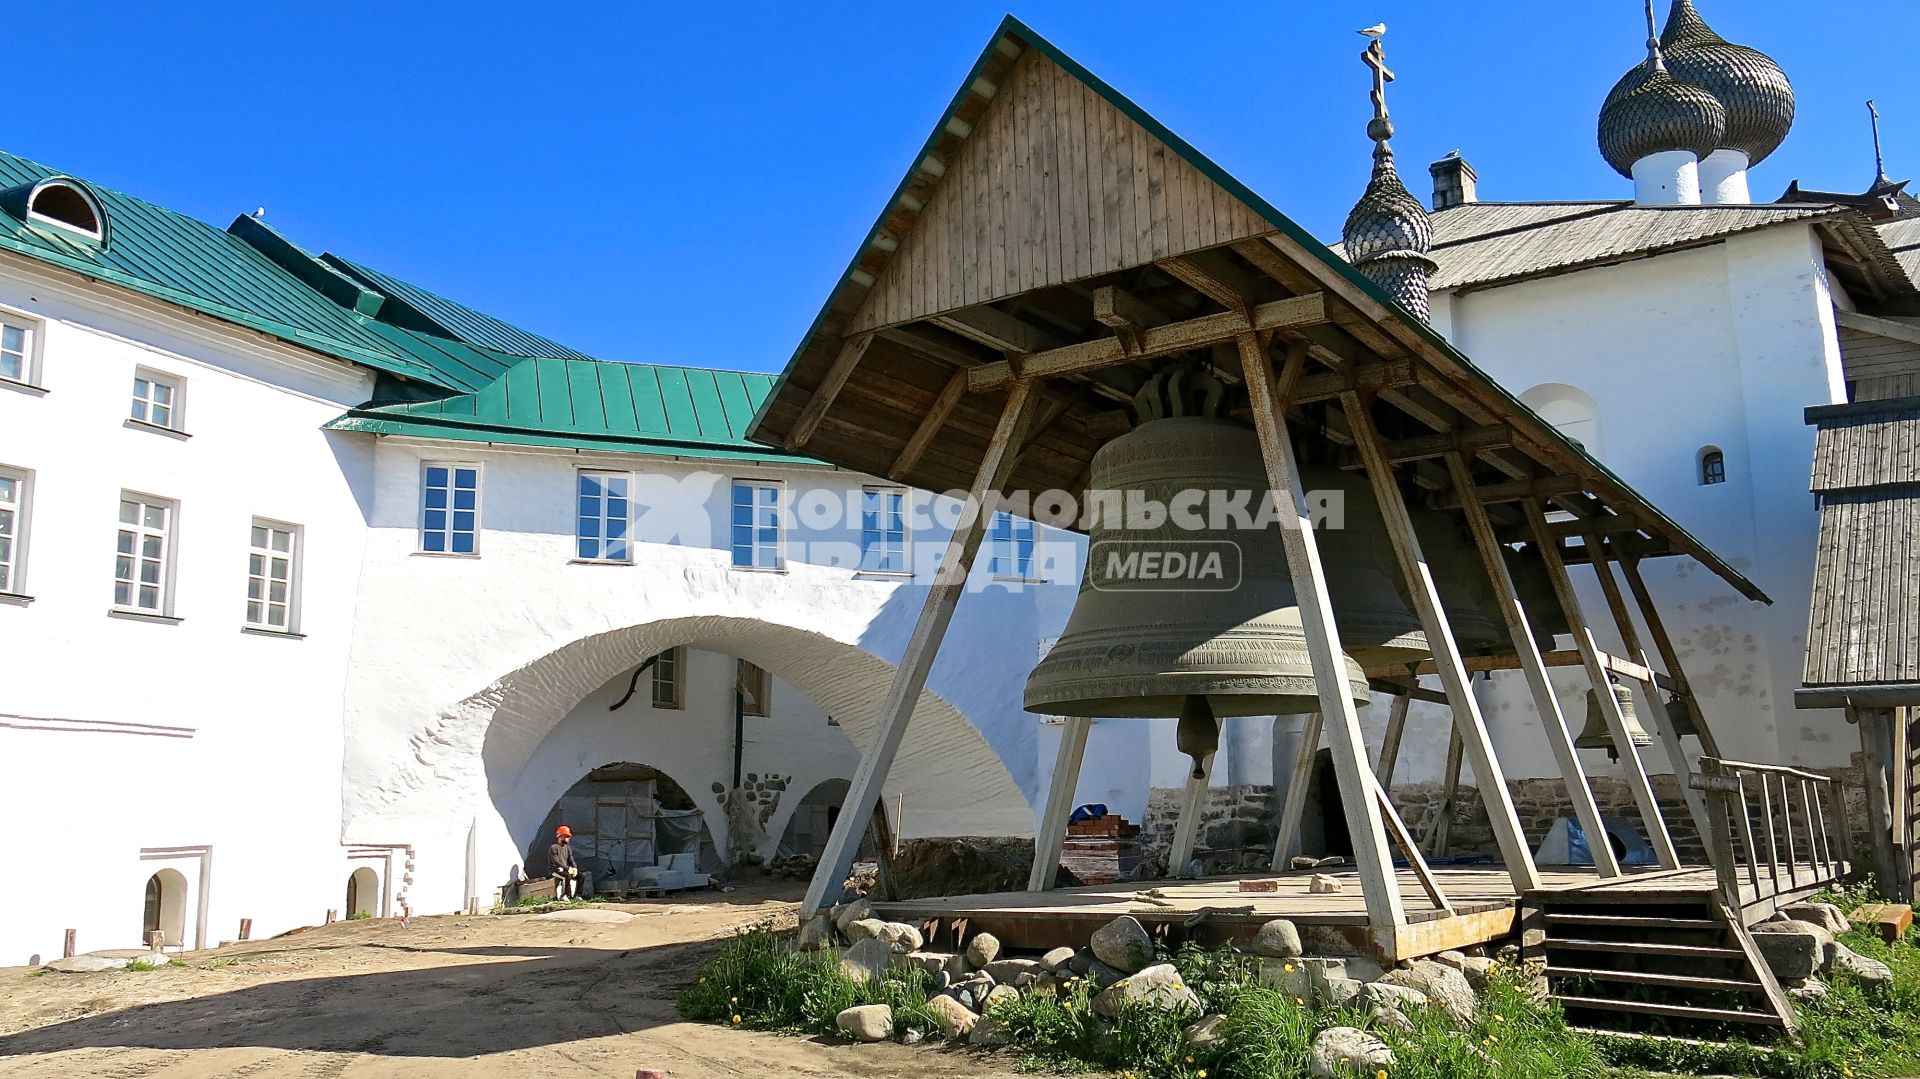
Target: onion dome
x=1387 y=235
x=1650 y=111
x=1751 y=87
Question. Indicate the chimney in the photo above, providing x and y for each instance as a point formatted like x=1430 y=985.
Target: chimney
x=1453 y=181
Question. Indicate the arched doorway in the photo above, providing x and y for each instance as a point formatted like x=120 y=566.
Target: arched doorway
x=623 y=816
x=813 y=819
x=363 y=893
x=165 y=908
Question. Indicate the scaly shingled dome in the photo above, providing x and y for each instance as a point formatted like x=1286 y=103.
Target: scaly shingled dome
x=1387 y=235
x=1750 y=86
x=1649 y=111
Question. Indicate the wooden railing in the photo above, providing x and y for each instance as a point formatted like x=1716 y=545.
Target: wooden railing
x=1800 y=844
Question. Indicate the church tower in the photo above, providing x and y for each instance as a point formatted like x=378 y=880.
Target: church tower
x=1388 y=232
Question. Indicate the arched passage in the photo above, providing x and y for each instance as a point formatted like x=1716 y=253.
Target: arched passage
x=812 y=820
x=624 y=816
x=165 y=908
x=952 y=781
x=363 y=893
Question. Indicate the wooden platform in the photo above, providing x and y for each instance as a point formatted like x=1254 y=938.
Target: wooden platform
x=1215 y=911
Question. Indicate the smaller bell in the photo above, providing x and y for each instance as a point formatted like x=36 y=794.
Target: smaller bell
x=1596 y=735
x=1681 y=717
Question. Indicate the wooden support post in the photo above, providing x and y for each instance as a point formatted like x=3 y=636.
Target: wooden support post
x=1650 y=816
x=1288 y=832
x=883 y=849
x=1468 y=724
x=246 y=929
x=1441 y=834
x=1390 y=743
x=67 y=944
x=1766 y=824
x=1053 y=821
x=910 y=677
x=1874 y=751
x=1545 y=702
x=1669 y=656
x=1186 y=828
x=1403 y=838
x=1900 y=798
x=1718 y=842
x=1654 y=708
x=1745 y=822
x=1386 y=913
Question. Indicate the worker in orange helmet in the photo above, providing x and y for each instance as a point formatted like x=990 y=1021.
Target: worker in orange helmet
x=566 y=872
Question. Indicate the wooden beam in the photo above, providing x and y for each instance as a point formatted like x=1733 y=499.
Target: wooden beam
x=1186 y=827
x=1155 y=341
x=1650 y=814
x=1386 y=913
x=1650 y=700
x=1561 y=658
x=1125 y=314
x=1390 y=742
x=910 y=677
x=996 y=329
x=1287 y=830
x=1397 y=828
x=1468 y=723
x=1213 y=277
x=1669 y=657
x=830 y=385
x=1047 y=843
x=1595 y=528
x=1517 y=490
x=1546 y=703
x=1440 y=836
x=1397 y=685
x=1470 y=441
x=930 y=426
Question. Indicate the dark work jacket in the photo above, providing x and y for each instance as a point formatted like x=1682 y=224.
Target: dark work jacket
x=560 y=857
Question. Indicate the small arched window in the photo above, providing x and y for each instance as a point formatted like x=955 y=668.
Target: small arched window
x=1713 y=466
x=67 y=205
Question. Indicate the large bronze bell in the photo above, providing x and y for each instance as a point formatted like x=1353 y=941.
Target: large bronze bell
x=1378 y=626
x=1681 y=717
x=1596 y=735
x=1142 y=647
x=1533 y=584
x=1466 y=592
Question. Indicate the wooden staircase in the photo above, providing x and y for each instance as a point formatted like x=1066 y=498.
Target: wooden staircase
x=1663 y=962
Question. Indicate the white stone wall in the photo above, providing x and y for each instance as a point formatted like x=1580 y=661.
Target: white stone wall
x=215 y=751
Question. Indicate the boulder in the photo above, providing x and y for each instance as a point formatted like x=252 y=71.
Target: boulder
x=1123 y=944
x=816 y=932
x=1005 y=971
x=863 y=929
x=851 y=912
x=1825 y=915
x=900 y=936
x=1456 y=960
x=1057 y=960
x=86 y=964
x=1479 y=972
x=999 y=994
x=866 y=1023
x=1385 y=1018
x=1811 y=991
x=1871 y=973
x=1321 y=884
x=865 y=960
x=931 y=962
x=984 y=948
x=990 y=1032
x=1343 y=1052
x=1397 y=998
x=1290 y=976
x=1103 y=975
x=1339 y=992
x=956 y=1019
x=1277 y=939
x=1793 y=950
x=1331 y=861
x=1206 y=1033
x=1444 y=986
x=1158 y=986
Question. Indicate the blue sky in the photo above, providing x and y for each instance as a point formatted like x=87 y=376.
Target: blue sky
x=685 y=184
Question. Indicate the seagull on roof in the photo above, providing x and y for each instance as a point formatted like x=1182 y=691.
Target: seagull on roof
x=1376 y=31
x=260 y=213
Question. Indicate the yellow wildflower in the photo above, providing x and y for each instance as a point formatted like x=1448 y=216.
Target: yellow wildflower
x=736 y=1020
x=1289 y=968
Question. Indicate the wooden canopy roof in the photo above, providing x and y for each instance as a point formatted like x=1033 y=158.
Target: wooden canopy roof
x=1051 y=229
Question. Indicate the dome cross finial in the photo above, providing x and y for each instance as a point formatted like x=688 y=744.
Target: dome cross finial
x=1380 y=128
x=1388 y=231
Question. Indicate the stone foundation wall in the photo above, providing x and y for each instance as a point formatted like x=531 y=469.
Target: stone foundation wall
x=1237 y=823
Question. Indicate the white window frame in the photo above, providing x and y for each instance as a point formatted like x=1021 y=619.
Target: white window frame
x=29 y=352
x=670 y=673
x=902 y=565
x=603 y=519
x=143 y=407
x=137 y=532
x=755 y=525
x=15 y=531
x=1004 y=560
x=447 y=528
x=296 y=540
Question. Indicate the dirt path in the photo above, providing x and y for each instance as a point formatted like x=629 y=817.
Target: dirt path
x=447 y=996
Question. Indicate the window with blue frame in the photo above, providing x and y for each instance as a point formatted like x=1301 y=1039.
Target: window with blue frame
x=756 y=525
x=602 y=517
x=450 y=509
x=883 y=530
x=1012 y=547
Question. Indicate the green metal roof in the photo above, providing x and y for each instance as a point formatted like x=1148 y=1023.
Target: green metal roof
x=593 y=405
x=455 y=319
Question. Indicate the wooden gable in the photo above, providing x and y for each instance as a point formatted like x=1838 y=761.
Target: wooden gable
x=1055 y=183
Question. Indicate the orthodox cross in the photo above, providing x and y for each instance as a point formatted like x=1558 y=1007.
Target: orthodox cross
x=1879 y=162
x=1376 y=58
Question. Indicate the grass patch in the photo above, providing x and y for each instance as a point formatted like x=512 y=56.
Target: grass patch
x=359 y=916
x=148 y=964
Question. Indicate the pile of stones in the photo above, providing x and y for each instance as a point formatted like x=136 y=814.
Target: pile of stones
x=1119 y=961
x=1799 y=946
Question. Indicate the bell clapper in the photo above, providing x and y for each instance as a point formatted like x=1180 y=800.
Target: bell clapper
x=1198 y=735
